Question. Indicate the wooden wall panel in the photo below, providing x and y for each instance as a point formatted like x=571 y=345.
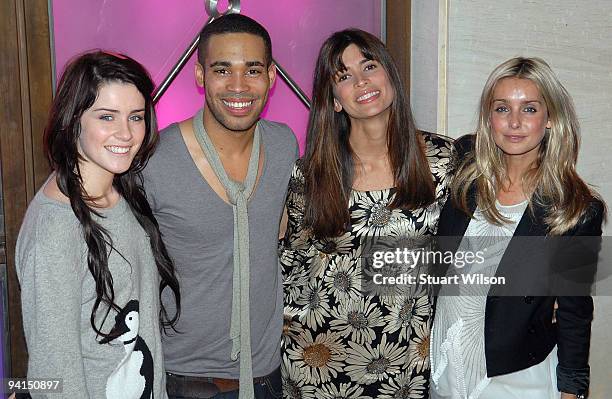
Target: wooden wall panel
x=398 y=36
x=25 y=81
x=13 y=167
x=40 y=75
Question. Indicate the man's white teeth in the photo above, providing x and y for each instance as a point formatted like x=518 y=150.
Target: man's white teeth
x=118 y=150
x=368 y=95
x=238 y=105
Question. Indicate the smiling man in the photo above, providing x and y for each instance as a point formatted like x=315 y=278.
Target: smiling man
x=217 y=186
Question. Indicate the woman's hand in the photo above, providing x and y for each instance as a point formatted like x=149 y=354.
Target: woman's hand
x=567 y=395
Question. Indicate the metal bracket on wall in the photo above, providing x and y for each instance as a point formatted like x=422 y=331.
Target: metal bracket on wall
x=213 y=12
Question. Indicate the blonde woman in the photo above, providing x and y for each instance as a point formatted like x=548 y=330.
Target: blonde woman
x=517 y=178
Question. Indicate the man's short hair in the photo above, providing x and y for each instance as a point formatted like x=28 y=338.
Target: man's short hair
x=234 y=23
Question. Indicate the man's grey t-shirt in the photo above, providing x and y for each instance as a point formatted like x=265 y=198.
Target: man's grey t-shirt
x=197 y=228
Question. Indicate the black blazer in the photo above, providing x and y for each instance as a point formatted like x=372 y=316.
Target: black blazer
x=519 y=331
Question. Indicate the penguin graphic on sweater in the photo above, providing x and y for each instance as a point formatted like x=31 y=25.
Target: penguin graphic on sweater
x=133 y=376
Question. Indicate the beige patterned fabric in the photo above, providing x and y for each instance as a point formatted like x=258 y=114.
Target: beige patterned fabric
x=338 y=342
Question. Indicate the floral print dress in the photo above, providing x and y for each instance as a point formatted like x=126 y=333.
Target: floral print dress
x=337 y=341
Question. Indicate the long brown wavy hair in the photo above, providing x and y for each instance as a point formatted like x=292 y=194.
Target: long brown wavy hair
x=329 y=159
x=552 y=182
x=77 y=91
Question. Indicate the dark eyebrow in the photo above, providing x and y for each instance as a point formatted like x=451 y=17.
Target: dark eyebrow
x=220 y=63
x=503 y=100
x=344 y=69
x=254 y=63
x=114 y=111
x=227 y=64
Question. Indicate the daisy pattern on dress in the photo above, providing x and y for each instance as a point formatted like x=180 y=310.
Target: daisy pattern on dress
x=343 y=278
x=371 y=215
x=375 y=364
x=367 y=364
x=399 y=319
x=388 y=294
x=297 y=238
x=295 y=189
x=430 y=216
x=293 y=385
x=297 y=201
x=295 y=275
x=419 y=348
x=318 y=263
x=357 y=319
x=318 y=359
x=291 y=327
x=403 y=227
x=343 y=245
x=406 y=386
x=314 y=304
x=345 y=391
x=445 y=156
x=421 y=309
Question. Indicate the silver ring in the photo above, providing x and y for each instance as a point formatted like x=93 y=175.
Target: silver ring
x=233 y=7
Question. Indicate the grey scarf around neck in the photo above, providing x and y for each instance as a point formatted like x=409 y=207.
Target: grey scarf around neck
x=238 y=195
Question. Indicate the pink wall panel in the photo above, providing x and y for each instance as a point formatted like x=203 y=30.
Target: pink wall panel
x=156 y=32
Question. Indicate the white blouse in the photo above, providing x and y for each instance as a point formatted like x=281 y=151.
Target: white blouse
x=458 y=364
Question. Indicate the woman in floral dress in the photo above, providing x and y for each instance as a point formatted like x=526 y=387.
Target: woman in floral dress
x=367 y=174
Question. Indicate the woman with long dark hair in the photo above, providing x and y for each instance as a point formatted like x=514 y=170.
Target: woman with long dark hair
x=516 y=185
x=367 y=174
x=89 y=257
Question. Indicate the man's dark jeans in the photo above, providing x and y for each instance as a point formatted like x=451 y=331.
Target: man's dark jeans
x=270 y=388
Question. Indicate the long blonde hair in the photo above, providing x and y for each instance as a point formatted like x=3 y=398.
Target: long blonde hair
x=553 y=181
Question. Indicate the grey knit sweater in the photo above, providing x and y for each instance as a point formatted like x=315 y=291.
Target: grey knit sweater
x=58 y=293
